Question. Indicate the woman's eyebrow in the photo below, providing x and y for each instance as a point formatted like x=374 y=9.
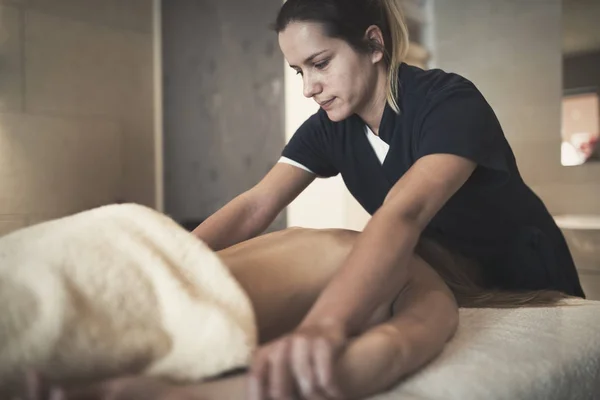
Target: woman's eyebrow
x=309 y=59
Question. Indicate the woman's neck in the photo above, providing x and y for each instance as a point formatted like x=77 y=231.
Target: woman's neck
x=372 y=113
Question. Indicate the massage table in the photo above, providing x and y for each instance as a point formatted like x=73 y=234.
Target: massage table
x=529 y=353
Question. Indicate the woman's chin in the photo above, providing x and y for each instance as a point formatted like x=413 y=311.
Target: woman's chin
x=336 y=114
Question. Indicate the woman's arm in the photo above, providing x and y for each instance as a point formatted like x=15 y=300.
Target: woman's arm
x=372 y=275
x=253 y=211
x=377 y=266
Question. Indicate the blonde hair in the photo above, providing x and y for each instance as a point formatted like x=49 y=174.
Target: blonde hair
x=399 y=48
x=464 y=279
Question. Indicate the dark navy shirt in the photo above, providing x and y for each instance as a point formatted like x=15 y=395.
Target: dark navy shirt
x=494 y=217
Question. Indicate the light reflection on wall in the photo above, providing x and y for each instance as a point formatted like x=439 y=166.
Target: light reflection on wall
x=580 y=128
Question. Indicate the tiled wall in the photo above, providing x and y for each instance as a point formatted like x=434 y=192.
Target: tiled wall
x=224 y=102
x=76 y=107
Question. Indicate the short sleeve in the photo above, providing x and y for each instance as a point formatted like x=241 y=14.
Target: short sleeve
x=312 y=146
x=461 y=122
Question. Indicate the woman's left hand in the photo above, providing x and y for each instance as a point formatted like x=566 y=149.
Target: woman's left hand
x=298 y=365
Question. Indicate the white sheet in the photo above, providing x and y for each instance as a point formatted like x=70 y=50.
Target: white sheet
x=529 y=353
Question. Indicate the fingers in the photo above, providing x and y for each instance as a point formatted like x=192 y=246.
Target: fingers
x=297 y=365
x=323 y=360
x=271 y=376
x=302 y=367
x=257 y=378
x=281 y=380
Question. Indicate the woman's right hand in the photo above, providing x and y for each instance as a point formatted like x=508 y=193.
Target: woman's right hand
x=126 y=388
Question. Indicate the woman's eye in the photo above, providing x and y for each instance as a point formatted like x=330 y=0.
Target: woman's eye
x=322 y=64
x=298 y=72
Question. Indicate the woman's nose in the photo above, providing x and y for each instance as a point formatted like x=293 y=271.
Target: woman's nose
x=311 y=86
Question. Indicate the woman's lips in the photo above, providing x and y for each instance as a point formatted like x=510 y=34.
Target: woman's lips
x=326 y=104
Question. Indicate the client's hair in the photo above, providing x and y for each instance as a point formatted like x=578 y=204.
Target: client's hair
x=464 y=279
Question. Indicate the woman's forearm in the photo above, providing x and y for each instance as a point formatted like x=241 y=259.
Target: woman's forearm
x=239 y=220
x=375 y=270
x=368 y=366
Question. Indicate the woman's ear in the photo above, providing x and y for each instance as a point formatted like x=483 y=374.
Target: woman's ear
x=374 y=38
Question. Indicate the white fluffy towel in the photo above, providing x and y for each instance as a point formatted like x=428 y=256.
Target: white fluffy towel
x=118 y=289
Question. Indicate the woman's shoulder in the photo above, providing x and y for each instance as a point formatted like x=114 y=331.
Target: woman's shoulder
x=426 y=86
x=417 y=78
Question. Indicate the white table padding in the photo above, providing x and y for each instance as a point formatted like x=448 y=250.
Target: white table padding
x=528 y=353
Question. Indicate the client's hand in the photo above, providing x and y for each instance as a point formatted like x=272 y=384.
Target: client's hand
x=300 y=364
x=128 y=388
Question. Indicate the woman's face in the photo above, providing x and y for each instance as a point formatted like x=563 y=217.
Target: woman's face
x=341 y=80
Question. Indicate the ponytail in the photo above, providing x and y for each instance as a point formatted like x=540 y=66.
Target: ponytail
x=399 y=38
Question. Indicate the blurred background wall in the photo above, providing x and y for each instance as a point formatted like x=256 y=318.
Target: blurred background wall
x=76 y=107
x=223 y=102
